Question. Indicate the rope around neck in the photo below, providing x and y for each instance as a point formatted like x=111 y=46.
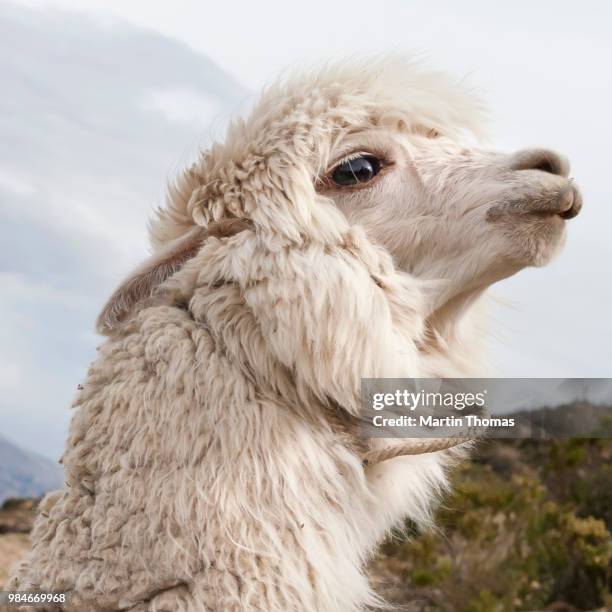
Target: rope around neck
x=412 y=447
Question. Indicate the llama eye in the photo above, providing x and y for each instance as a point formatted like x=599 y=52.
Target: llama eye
x=356 y=171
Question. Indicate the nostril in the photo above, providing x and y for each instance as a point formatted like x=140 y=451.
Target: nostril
x=541 y=159
x=546 y=164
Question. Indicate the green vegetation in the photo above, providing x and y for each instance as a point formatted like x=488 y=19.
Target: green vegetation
x=527 y=528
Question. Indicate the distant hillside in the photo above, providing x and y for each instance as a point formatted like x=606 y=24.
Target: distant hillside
x=578 y=419
x=25 y=474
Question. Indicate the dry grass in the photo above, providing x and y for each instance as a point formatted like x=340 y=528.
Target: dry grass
x=529 y=527
x=13 y=547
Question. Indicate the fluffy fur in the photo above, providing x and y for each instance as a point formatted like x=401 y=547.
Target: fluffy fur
x=213 y=461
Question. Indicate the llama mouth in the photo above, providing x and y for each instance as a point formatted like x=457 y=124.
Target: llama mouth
x=564 y=204
x=568 y=203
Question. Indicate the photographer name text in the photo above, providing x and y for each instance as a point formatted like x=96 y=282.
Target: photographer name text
x=469 y=420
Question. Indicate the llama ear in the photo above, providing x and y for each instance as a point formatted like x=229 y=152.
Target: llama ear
x=143 y=282
x=146 y=279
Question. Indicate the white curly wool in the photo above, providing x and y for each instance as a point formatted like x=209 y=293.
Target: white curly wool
x=213 y=461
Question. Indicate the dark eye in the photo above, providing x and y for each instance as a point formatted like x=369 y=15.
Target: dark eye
x=355 y=171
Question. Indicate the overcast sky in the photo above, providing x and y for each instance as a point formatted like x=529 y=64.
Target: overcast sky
x=104 y=100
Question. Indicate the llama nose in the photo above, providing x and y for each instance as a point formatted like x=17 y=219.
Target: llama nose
x=541 y=159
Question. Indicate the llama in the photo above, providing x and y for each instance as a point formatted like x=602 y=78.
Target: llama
x=348 y=228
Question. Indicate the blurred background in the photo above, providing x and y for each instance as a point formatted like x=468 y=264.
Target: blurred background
x=103 y=101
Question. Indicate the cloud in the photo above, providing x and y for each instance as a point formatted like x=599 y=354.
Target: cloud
x=14 y=184
x=11 y=377
x=181 y=105
x=99 y=116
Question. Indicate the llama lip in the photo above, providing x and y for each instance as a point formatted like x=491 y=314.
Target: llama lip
x=570 y=202
x=565 y=204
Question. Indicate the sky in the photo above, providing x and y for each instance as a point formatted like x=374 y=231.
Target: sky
x=104 y=101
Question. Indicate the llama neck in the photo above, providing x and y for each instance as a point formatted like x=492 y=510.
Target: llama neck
x=455 y=337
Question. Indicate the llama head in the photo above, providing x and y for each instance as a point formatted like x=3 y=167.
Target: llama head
x=388 y=146
x=460 y=214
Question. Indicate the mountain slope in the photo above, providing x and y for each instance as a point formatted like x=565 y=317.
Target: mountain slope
x=25 y=474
